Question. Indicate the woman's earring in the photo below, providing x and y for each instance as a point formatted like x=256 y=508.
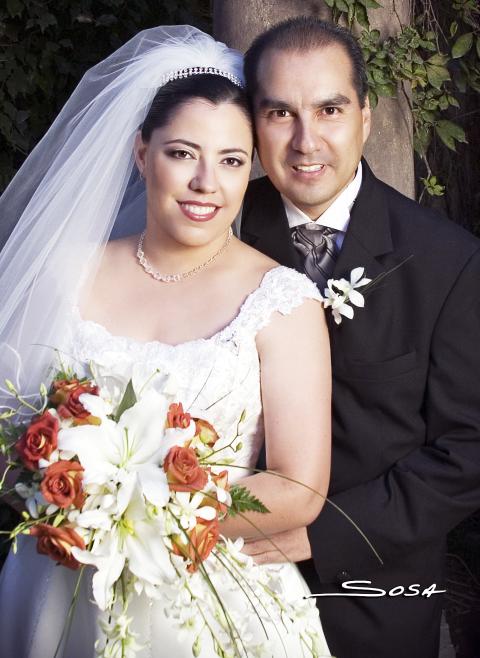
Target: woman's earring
x=142 y=175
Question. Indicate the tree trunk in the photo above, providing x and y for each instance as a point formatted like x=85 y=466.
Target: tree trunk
x=389 y=149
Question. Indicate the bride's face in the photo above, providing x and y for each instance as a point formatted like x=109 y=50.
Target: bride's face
x=196 y=170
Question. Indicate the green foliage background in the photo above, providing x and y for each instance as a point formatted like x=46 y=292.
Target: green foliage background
x=434 y=62
x=46 y=46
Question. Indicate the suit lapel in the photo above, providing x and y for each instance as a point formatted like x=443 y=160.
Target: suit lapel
x=266 y=226
x=368 y=235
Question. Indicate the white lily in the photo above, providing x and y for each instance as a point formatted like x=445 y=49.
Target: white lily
x=109 y=561
x=112 y=375
x=135 y=538
x=96 y=405
x=148 y=555
x=340 y=292
x=127 y=453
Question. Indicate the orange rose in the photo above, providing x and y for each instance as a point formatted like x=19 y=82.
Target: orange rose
x=202 y=539
x=184 y=473
x=176 y=416
x=65 y=398
x=57 y=543
x=62 y=484
x=206 y=432
x=39 y=440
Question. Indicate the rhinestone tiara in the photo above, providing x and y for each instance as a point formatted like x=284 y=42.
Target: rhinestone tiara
x=199 y=70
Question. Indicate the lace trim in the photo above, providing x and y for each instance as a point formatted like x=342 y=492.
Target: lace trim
x=281 y=289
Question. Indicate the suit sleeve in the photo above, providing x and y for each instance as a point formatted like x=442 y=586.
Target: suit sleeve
x=425 y=494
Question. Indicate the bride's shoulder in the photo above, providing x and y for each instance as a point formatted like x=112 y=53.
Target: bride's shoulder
x=116 y=250
x=273 y=278
x=110 y=260
x=115 y=256
x=252 y=258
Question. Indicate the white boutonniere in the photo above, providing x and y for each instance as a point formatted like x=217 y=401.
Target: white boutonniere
x=340 y=293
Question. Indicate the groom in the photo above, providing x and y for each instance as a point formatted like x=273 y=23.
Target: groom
x=406 y=407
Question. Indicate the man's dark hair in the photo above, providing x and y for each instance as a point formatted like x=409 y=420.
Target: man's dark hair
x=302 y=34
x=215 y=89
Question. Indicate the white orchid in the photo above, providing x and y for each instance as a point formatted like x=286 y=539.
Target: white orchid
x=32 y=496
x=186 y=508
x=340 y=292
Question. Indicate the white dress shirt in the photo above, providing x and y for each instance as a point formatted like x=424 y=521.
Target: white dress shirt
x=336 y=216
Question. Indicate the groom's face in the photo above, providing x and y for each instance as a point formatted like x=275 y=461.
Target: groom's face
x=310 y=125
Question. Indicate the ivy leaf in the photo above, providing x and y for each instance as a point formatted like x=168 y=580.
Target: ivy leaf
x=386 y=89
x=478 y=47
x=437 y=59
x=330 y=3
x=45 y=20
x=244 y=501
x=450 y=132
x=379 y=76
x=361 y=16
x=453 y=28
x=432 y=186
x=128 y=400
x=460 y=80
x=370 y=4
x=106 y=20
x=341 y=5
x=351 y=14
x=373 y=98
x=14 y=8
x=443 y=102
x=462 y=45
x=437 y=75
x=427 y=116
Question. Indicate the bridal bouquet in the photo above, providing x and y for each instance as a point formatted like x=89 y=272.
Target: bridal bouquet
x=127 y=481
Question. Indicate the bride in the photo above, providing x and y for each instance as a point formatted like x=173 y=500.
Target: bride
x=166 y=114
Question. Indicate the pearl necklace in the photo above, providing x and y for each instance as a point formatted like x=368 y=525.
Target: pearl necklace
x=174 y=278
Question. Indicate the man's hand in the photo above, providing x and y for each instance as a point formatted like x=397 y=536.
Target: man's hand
x=288 y=546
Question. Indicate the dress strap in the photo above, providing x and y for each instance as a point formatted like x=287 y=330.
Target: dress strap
x=281 y=290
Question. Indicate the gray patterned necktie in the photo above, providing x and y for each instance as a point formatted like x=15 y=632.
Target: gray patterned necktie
x=317 y=245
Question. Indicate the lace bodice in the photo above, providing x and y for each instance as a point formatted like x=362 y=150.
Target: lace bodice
x=219 y=375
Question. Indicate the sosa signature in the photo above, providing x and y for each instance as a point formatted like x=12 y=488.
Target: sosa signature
x=361 y=588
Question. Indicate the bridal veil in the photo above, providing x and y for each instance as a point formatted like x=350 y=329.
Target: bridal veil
x=76 y=190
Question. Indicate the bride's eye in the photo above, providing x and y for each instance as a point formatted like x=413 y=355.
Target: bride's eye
x=180 y=154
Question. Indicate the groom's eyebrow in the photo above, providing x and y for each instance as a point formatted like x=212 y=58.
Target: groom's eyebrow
x=277 y=104
x=273 y=103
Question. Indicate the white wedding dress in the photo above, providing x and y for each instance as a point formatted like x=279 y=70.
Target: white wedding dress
x=221 y=374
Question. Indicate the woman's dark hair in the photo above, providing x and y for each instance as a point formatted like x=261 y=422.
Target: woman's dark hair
x=302 y=34
x=213 y=88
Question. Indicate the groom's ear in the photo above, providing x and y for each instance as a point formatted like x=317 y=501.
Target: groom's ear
x=140 y=152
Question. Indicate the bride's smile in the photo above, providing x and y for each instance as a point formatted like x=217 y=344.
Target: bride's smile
x=196 y=170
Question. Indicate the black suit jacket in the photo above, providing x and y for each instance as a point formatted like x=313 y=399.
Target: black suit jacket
x=406 y=414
